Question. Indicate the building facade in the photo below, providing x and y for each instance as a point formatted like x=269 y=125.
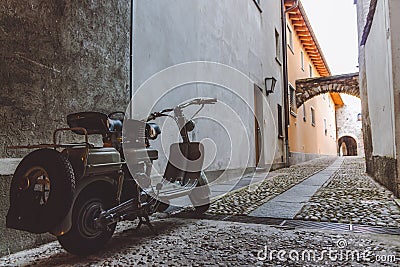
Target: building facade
x=243 y=35
x=379 y=59
x=312 y=130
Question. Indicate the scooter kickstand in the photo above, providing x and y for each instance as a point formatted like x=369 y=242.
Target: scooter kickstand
x=140 y=223
x=146 y=221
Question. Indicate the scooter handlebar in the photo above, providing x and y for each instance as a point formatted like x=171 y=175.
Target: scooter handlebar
x=198 y=101
x=208 y=101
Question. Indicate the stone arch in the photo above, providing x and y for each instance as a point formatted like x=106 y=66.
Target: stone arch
x=350 y=144
x=349 y=134
x=309 y=88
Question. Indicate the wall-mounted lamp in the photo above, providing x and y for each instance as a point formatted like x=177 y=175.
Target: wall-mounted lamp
x=270 y=85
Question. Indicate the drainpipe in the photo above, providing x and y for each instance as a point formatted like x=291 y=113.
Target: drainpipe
x=285 y=74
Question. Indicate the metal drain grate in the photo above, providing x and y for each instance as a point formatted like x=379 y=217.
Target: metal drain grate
x=357 y=228
x=376 y=230
x=317 y=225
x=294 y=224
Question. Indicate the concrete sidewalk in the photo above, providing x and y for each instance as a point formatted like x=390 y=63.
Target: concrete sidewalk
x=289 y=203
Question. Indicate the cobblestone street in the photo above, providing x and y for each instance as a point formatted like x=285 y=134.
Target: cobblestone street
x=352 y=196
x=230 y=236
x=244 y=201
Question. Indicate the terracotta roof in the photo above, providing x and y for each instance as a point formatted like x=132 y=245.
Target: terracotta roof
x=304 y=31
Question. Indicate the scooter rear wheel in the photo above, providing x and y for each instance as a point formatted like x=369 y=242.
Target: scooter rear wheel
x=84 y=237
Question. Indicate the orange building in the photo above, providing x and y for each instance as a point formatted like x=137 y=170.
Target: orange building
x=312 y=130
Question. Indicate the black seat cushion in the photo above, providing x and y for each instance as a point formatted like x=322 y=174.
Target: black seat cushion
x=93 y=122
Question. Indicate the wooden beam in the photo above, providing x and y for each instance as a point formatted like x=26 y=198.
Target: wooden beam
x=298 y=23
x=307 y=44
x=305 y=37
x=301 y=28
x=311 y=49
x=295 y=16
x=304 y=34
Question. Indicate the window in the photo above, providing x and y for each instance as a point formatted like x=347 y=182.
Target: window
x=277 y=47
x=290 y=38
x=359 y=117
x=312 y=116
x=280 y=122
x=302 y=60
x=310 y=69
x=304 y=112
x=325 y=128
x=292 y=100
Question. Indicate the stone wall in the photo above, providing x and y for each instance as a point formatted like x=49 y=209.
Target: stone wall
x=59 y=57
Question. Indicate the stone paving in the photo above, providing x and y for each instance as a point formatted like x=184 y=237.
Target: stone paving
x=288 y=204
x=244 y=201
x=352 y=196
x=188 y=242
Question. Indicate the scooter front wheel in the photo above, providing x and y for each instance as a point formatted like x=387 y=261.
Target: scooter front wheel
x=200 y=195
x=84 y=237
x=201 y=209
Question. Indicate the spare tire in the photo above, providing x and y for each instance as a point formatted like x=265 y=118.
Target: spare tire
x=41 y=192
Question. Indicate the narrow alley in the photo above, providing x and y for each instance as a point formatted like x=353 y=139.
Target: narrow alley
x=200 y=133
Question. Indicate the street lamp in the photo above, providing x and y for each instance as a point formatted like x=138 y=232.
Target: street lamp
x=270 y=85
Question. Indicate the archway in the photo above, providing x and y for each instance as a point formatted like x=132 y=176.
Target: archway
x=347 y=146
x=308 y=88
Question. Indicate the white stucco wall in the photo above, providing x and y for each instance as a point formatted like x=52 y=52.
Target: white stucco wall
x=380 y=86
x=394 y=13
x=231 y=32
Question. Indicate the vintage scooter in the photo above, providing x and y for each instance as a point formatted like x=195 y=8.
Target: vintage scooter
x=78 y=192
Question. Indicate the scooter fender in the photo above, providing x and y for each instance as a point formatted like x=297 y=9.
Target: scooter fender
x=66 y=224
x=203 y=183
x=200 y=195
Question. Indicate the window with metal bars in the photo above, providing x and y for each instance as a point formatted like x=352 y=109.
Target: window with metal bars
x=292 y=100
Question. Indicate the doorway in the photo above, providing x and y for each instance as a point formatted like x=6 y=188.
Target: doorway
x=258 y=131
x=347 y=146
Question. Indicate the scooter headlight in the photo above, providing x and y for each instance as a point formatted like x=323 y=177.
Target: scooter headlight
x=152 y=131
